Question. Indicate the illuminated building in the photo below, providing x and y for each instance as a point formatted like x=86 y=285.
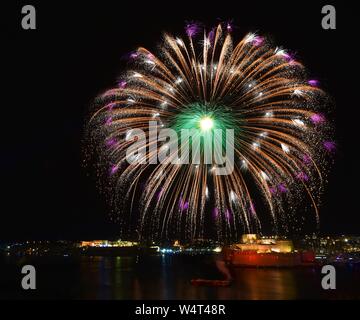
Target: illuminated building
x=266 y=252
x=107 y=243
x=250 y=242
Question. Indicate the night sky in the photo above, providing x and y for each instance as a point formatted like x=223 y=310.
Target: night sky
x=52 y=75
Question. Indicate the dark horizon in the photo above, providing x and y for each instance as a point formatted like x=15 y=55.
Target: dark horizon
x=53 y=75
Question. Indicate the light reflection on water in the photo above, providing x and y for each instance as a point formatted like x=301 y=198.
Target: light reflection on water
x=168 y=277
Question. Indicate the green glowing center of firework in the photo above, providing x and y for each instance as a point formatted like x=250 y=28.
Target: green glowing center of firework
x=205 y=120
x=200 y=117
x=206 y=123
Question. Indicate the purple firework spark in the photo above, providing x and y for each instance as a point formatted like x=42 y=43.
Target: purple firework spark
x=258 y=41
x=111 y=106
x=215 y=212
x=330 y=146
x=229 y=26
x=317 y=118
x=211 y=36
x=272 y=190
x=114 y=169
x=183 y=205
x=302 y=176
x=108 y=121
x=282 y=188
x=252 y=208
x=192 y=29
x=159 y=194
x=122 y=84
x=306 y=159
x=313 y=83
x=134 y=55
x=228 y=214
x=110 y=142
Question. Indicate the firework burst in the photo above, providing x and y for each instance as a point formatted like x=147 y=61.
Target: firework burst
x=208 y=81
